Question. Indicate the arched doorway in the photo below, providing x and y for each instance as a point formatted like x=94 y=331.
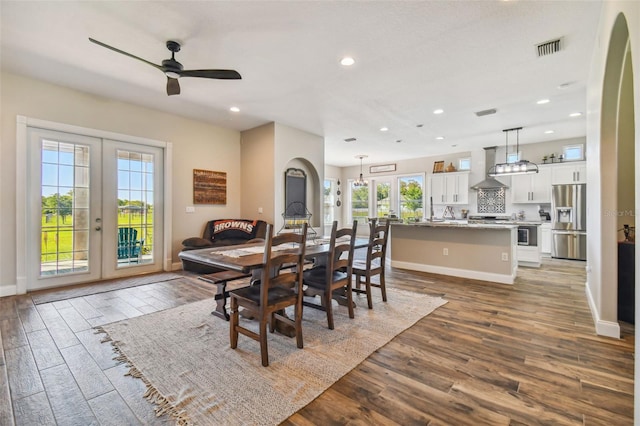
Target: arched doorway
x=617 y=175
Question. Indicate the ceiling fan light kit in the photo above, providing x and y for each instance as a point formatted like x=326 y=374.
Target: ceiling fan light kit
x=520 y=167
x=174 y=70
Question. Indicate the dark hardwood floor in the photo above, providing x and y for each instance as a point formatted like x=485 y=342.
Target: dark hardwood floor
x=495 y=354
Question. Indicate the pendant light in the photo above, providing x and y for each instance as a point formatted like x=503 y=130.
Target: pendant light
x=360 y=181
x=520 y=167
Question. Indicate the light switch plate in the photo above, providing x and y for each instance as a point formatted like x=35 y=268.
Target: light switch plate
x=190 y=209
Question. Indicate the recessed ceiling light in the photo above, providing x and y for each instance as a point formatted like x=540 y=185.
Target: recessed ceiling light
x=347 y=61
x=419 y=125
x=454 y=145
x=350 y=140
x=399 y=140
x=543 y=101
x=234 y=109
x=575 y=114
x=548 y=132
x=565 y=85
x=439 y=138
x=384 y=129
x=438 y=111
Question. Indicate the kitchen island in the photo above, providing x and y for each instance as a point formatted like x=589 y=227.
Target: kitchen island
x=484 y=252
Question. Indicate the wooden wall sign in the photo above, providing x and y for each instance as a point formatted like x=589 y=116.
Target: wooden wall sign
x=209 y=187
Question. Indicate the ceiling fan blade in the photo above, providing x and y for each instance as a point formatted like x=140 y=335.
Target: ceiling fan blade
x=173 y=87
x=125 y=53
x=219 y=74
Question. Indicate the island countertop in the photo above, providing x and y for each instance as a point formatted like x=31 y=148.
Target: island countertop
x=458 y=224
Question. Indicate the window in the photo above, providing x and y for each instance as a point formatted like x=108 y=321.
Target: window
x=573 y=152
x=329 y=196
x=411 y=190
x=383 y=198
x=464 y=164
x=513 y=157
x=359 y=203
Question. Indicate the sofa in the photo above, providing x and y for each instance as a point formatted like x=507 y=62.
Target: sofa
x=223 y=232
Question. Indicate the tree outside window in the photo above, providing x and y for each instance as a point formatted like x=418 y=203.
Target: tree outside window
x=411 y=197
x=383 y=199
x=360 y=203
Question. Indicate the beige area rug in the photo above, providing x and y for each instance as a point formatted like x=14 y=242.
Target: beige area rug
x=183 y=356
x=101 y=287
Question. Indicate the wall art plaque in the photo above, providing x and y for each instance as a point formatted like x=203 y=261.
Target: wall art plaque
x=209 y=187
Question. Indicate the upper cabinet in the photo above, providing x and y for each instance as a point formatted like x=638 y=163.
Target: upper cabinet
x=533 y=188
x=574 y=172
x=450 y=188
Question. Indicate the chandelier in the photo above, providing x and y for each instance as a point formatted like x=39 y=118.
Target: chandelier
x=519 y=167
x=360 y=181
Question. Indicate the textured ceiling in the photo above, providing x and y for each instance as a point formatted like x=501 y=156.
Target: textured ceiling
x=411 y=58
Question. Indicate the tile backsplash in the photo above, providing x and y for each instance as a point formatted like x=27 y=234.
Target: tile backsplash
x=491 y=201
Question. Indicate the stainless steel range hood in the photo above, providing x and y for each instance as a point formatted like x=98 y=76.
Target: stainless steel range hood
x=489 y=182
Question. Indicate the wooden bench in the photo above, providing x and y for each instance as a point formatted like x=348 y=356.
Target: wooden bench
x=220 y=279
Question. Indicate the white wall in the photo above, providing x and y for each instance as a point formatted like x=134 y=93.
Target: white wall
x=267 y=152
x=257 y=173
x=196 y=145
x=296 y=148
x=601 y=170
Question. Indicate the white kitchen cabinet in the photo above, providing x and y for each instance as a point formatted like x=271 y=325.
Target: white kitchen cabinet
x=529 y=256
x=574 y=172
x=450 y=188
x=545 y=238
x=533 y=188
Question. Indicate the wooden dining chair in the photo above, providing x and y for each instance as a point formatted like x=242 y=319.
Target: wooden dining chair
x=333 y=277
x=364 y=270
x=278 y=288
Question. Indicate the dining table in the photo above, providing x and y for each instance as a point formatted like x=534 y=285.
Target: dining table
x=247 y=259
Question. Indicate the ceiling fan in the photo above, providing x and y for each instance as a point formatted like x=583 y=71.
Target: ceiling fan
x=173 y=69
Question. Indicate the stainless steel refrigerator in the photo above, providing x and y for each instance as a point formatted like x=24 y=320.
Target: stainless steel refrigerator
x=569 y=221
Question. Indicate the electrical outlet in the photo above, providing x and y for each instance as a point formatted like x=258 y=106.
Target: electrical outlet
x=190 y=209
x=505 y=257
x=445 y=252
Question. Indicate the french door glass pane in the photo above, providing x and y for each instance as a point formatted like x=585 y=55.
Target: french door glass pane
x=64 y=235
x=135 y=208
x=411 y=196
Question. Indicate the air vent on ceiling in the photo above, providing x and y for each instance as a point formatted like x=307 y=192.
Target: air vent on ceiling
x=350 y=140
x=486 y=112
x=549 y=47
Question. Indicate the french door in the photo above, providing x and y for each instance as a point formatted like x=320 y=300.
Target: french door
x=91 y=210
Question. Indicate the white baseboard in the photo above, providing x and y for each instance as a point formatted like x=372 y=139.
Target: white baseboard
x=176 y=266
x=462 y=273
x=8 y=290
x=529 y=264
x=603 y=328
